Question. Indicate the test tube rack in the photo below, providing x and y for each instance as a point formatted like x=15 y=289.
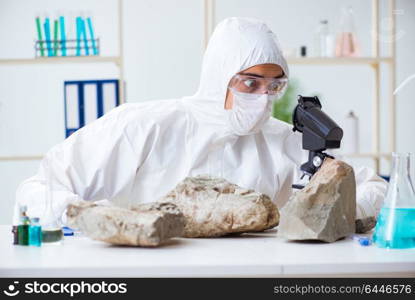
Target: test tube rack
x=71 y=48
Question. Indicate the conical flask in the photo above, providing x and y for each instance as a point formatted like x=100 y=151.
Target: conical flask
x=395 y=227
x=346 y=41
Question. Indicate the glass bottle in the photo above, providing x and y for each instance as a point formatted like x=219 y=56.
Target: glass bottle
x=15 y=235
x=323 y=40
x=346 y=41
x=51 y=222
x=23 y=231
x=35 y=232
x=395 y=227
x=350 y=142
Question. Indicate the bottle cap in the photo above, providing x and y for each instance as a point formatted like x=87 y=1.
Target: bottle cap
x=25 y=220
x=351 y=114
x=34 y=220
x=365 y=241
x=303 y=51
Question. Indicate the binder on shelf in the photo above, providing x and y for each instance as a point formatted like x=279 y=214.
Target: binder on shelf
x=88 y=100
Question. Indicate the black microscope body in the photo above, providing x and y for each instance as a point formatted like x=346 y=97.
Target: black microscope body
x=319 y=131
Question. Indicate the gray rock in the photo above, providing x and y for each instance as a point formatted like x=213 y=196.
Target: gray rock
x=145 y=225
x=365 y=224
x=325 y=209
x=215 y=207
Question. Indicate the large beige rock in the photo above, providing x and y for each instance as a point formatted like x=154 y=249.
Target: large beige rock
x=325 y=209
x=215 y=207
x=146 y=225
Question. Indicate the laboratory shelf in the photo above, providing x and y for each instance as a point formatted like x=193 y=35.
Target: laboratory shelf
x=338 y=60
x=61 y=59
x=20 y=158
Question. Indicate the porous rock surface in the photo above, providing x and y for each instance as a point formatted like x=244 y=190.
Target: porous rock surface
x=325 y=209
x=215 y=207
x=146 y=225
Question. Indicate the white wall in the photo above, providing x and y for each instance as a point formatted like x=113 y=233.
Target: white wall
x=163 y=51
x=163 y=48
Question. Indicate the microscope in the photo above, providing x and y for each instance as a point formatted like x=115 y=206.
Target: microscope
x=319 y=131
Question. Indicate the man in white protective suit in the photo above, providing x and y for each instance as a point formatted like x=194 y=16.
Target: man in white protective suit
x=139 y=152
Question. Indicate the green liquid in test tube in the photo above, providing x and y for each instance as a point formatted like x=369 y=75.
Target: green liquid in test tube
x=55 y=38
x=39 y=36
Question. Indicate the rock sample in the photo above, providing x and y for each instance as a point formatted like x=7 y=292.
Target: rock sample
x=365 y=224
x=215 y=207
x=325 y=209
x=146 y=225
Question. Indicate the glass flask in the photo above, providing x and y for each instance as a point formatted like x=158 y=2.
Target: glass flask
x=51 y=221
x=395 y=227
x=346 y=41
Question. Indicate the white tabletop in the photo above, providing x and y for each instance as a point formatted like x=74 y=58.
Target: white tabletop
x=250 y=255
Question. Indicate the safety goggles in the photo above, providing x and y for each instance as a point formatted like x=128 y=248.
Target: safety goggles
x=257 y=85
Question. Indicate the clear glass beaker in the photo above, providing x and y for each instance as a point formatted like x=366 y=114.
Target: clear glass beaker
x=395 y=227
x=51 y=220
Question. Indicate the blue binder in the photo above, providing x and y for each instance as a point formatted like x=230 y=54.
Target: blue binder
x=88 y=100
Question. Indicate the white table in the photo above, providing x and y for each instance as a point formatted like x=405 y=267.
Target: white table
x=251 y=255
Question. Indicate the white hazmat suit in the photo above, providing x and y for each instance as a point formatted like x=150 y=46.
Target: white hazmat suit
x=139 y=152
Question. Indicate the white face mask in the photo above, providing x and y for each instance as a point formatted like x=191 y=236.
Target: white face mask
x=249 y=112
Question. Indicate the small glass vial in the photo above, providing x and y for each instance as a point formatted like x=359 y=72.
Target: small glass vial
x=15 y=238
x=35 y=232
x=23 y=231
